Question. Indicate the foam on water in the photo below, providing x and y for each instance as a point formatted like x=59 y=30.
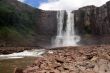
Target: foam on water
x=32 y=53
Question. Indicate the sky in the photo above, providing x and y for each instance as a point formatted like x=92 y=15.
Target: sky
x=63 y=4
x=34 y=3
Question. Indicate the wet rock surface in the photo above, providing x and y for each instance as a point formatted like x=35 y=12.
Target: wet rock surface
x=88 y=59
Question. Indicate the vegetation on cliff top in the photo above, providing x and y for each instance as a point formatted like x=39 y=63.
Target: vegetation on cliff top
x=17 y=23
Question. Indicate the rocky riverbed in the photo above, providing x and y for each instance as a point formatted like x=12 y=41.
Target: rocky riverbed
x=84 y=59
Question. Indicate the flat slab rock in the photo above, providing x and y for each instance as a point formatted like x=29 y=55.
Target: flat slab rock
x=85 y=59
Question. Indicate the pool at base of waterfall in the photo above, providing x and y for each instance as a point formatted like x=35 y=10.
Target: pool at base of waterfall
x=18 y=60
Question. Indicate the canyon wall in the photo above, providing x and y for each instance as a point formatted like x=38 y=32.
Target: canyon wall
x=46 y=28
x=23 y=25
x=93 y=20
x=47 y=23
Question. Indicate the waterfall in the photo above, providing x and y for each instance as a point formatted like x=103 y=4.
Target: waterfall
x=65 y=37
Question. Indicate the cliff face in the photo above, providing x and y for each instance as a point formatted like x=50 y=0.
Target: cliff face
x=23 y=25
x=47 y=24
x=46 y=28
x=93 y=20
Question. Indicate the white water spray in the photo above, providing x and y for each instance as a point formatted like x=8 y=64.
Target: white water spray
x=67 y=37
x=31 y=53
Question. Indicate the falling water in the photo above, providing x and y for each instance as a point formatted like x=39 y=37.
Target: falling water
x=65 y=37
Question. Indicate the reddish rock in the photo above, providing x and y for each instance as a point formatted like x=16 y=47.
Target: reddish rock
x=88 y=59
x=18 y=70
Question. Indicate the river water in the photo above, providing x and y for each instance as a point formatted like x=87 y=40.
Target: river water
x=21 y=60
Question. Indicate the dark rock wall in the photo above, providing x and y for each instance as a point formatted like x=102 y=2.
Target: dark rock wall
x=83 y=19
x=47 y=24
x=46 y=28
x=93 y=20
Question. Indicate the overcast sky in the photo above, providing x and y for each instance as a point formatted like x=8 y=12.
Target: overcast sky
x=63 y=4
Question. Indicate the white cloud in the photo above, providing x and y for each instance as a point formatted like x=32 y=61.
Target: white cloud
x=21 y=0
x=69 y=4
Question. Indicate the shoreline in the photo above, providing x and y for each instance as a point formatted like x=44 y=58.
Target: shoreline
x=10 y=50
